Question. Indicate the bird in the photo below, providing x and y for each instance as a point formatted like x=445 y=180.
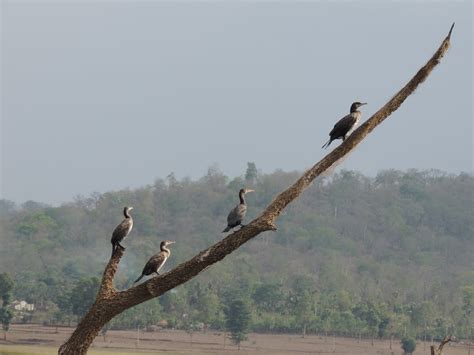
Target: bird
x=237 y=214
x=122 y=230
x=344 y=126
x=157 y=261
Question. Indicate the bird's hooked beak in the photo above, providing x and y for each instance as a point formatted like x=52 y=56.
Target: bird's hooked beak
x=249 y=190
x=363 y=103
x=130 y=208
x=170 y=243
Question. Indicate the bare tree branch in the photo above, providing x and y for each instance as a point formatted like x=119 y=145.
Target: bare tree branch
x=110 y=302
x=439 y=351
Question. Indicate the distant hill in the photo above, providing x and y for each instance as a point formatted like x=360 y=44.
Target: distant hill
x=401 y=239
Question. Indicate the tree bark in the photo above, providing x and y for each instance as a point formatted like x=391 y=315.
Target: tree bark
x=110 y=302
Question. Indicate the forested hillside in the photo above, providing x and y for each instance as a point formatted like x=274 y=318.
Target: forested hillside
x=354 y=255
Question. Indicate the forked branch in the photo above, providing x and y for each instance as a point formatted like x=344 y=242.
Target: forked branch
x=439 y=350
x=110 y=302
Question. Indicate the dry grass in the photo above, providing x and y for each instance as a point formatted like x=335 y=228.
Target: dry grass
x=35 y=339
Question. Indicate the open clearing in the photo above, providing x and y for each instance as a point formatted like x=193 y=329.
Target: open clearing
x=35 y=339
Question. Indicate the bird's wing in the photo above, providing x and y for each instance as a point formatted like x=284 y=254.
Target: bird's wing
x=237 y=214
x=154 y=264
x=122 y=230
x=343 y=126
x=241 y=210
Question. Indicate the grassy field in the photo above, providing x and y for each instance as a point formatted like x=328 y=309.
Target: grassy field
x=35 y=339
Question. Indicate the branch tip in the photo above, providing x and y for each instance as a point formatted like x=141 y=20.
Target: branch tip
x=451 y=30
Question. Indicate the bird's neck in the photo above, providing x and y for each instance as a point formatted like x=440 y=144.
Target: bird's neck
x=354 y=110
x=242 y=199
x=126 y=214
x=164 y=249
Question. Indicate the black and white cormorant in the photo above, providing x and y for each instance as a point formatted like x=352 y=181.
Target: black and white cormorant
x=122 y=230
x=345 y=125
x=157 y=261
x=236 y=216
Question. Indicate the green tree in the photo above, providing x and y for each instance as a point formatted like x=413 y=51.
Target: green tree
x=251 y=173
x=467 y=309
x=83 y=295
x=408 y=345
x=62 y=300
x=302 y=300
x=422 y=314
x=370 y=313
x=304 y=306
x=175 y=305
x=268 y=297
x=205 y=304
x=238 y=318
x=468 y=300
x=6 y=314
x=141 y=316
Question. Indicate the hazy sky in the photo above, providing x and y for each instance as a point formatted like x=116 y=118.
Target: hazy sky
x=104 y=96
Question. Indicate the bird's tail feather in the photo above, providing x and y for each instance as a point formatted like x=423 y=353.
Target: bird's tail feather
x=226 y=229
x=141 y=276
x=325 y=145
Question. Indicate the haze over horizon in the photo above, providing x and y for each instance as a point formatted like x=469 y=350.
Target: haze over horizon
x=100 y=97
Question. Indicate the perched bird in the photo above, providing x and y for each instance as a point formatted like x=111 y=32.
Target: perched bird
x=236 y=216
x=344 y=126
x=122 y=230
x=157 y=261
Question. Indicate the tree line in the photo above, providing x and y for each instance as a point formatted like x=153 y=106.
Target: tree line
x=356 y=255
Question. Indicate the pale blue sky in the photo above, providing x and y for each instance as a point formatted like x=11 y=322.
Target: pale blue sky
x=99 y=97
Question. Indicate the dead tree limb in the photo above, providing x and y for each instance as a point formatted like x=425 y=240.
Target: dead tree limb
x=110 y=302
x=439 y=351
